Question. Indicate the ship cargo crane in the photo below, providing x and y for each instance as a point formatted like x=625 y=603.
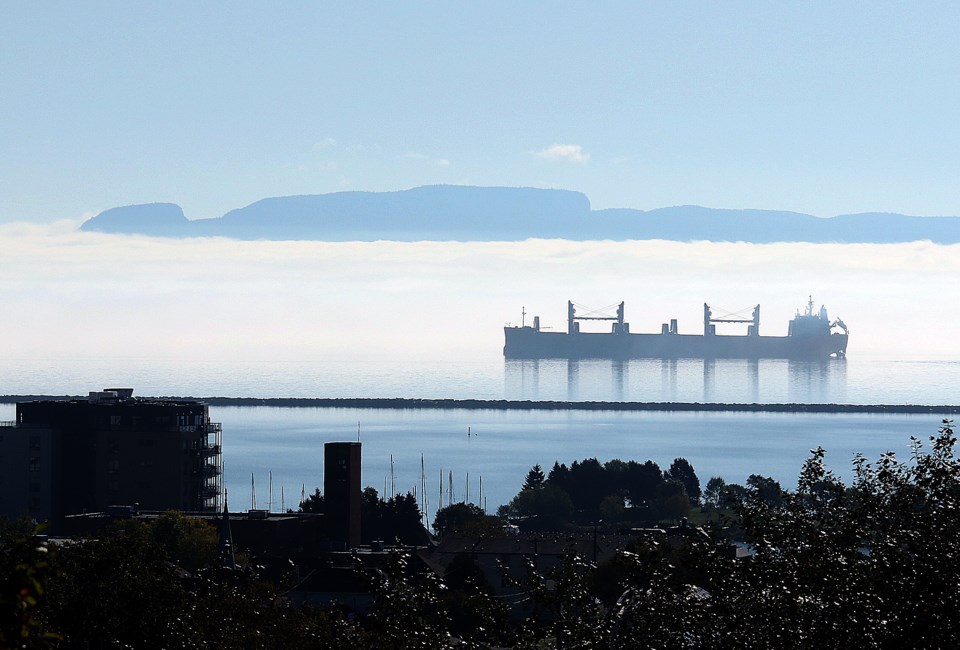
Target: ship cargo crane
x=573 y=326
x=710 y=329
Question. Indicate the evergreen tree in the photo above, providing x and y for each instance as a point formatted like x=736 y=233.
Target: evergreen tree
x=535 y=478
x=313 y=503
x=559 y=476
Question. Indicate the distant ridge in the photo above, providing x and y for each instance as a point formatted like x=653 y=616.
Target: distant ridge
x=466 y=213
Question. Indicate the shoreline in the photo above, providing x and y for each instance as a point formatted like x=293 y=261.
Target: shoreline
x=406 y=403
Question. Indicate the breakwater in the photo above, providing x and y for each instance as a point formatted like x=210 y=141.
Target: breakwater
x=402 y=403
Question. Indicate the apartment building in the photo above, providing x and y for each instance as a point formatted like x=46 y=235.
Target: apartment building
x=85 y=455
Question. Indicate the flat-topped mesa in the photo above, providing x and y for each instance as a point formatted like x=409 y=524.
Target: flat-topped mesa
x=438 y=212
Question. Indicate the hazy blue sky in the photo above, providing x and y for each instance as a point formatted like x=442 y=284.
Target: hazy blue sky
x=821 y=107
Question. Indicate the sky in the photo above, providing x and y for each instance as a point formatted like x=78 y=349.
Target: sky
x=818 y=107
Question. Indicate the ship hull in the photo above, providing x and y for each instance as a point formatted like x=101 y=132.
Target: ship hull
x=531 y=343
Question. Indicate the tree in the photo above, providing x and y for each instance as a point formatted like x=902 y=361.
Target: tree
x=547 y=509
x=535 y=479
x=877 y=561
x=671 y=501
x=559 y=475
x=765 y=488
x=612 y=508
x=120 y=590
x=396 y=519
x=732 y=494
x=27 y=563
x=314 y=503
x=588 y=485
x=464 y=518
x=641 y=481
x=681 y=470
x=713 y=491
x=127 y=589
x=408 y=612
x=192 y=543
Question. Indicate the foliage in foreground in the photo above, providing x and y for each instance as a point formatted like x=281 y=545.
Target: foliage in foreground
x=872 y=565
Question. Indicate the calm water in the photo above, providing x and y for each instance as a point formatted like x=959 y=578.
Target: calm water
x=502 y=445
x=853 y=381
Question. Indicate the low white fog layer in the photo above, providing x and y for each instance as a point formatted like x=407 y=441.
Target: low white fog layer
x=84 y=295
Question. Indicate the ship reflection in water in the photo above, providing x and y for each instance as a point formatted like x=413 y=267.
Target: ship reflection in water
x=762 y=381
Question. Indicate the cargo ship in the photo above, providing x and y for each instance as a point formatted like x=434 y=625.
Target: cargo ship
x=810 y=336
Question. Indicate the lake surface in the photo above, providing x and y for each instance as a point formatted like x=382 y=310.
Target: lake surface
x=502 y=446
x=850 y=381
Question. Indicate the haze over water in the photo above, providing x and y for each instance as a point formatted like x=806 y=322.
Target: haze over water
x=210 y=317
x=121 y=300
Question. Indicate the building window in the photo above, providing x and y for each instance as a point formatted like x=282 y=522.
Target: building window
x=34 y=464
x=113 y=466
x=34 y=442
x=114 y=420
x=34 y=487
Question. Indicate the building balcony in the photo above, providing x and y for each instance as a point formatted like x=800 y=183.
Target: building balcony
x=209 y=428
x=209 y=450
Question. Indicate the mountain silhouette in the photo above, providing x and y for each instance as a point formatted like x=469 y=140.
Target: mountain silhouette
x=465 y=213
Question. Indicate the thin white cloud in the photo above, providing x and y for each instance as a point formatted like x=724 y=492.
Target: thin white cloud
x=413 y=155
x=572 y=153
x=325 y=143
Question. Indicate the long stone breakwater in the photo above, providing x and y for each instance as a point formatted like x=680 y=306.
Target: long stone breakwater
x=401 y=403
